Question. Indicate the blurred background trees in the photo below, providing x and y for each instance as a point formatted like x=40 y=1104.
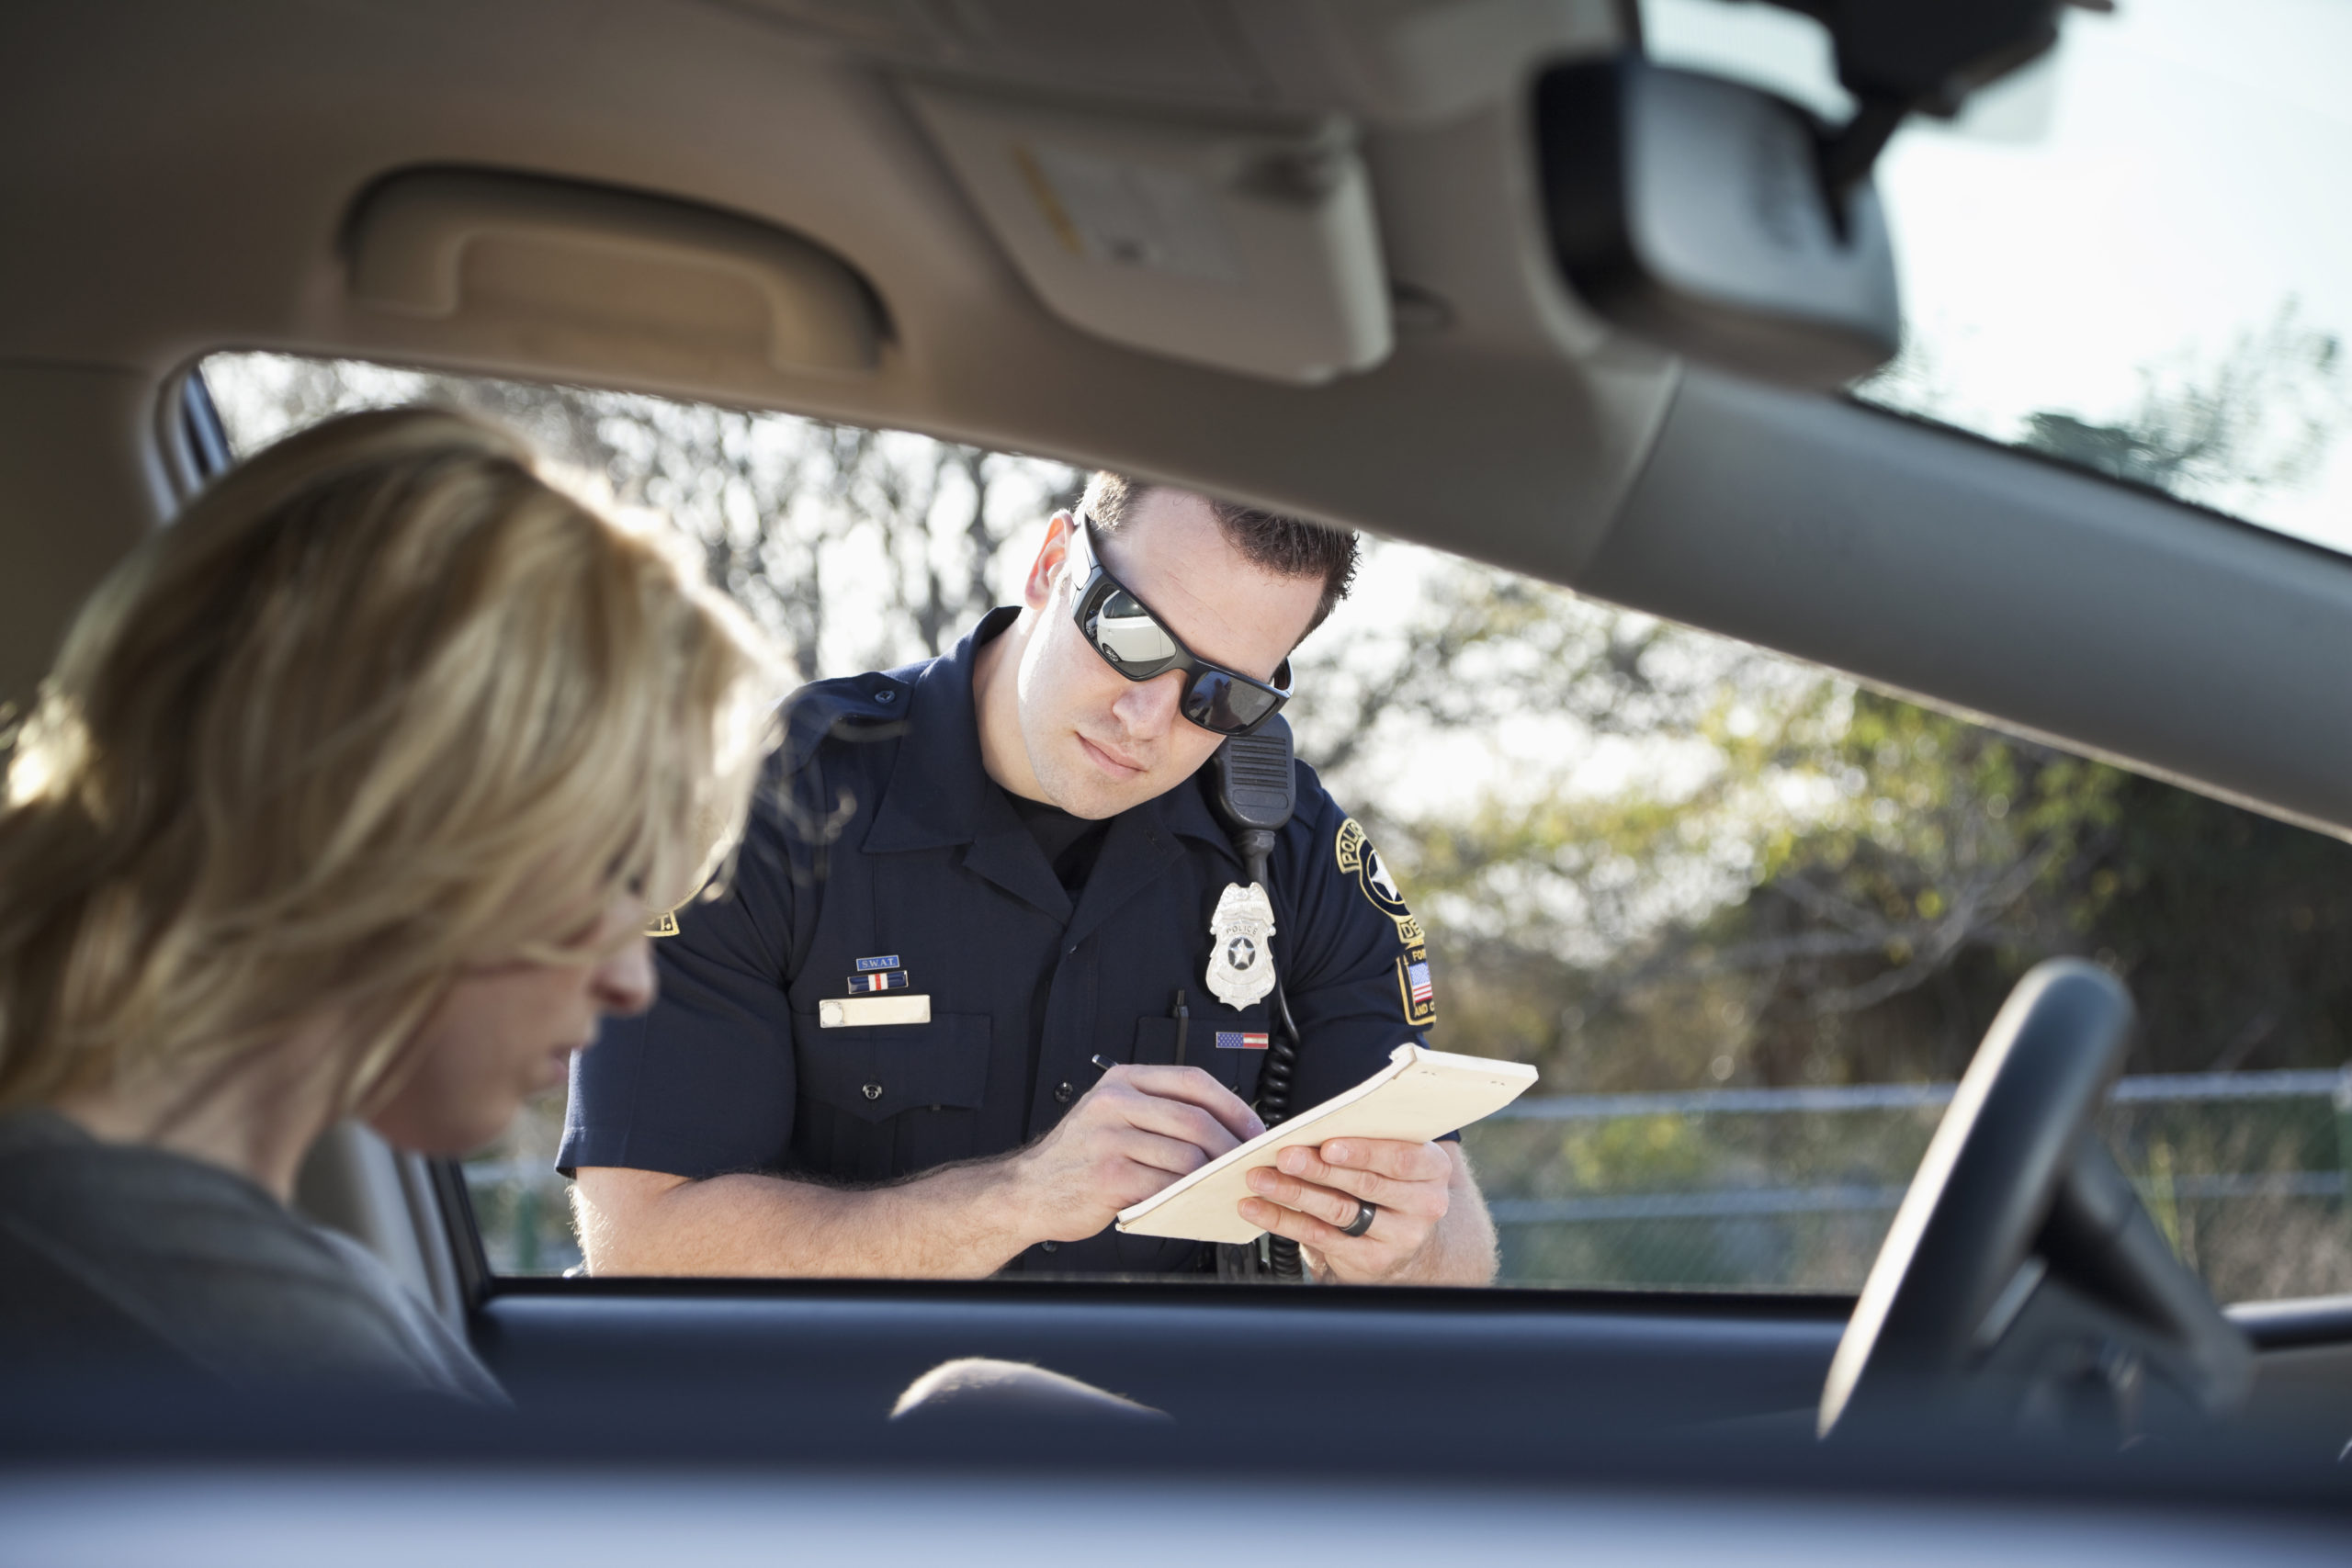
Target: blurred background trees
x=1861 y=880
x=854 y=549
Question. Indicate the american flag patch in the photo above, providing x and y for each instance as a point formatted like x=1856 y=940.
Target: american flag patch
x=867 y=966
x=1416 y=977
x=1234 y=1040
x=891 y=980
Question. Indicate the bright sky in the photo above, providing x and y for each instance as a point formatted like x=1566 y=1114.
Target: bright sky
x=2175 y=175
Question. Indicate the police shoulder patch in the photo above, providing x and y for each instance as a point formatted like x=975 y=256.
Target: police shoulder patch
x=1414 y=991
x=1359 y=860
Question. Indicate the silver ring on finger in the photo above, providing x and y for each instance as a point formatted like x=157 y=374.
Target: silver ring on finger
x=1363 y=1220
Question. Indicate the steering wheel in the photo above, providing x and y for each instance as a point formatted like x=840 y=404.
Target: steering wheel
x=2020 y=1257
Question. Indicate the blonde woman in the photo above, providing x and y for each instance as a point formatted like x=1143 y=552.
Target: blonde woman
x=350 y=795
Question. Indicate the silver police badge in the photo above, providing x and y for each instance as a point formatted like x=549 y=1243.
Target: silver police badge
x=1241 y=962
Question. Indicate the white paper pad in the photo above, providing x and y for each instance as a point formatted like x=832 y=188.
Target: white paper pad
x=1421 y=1095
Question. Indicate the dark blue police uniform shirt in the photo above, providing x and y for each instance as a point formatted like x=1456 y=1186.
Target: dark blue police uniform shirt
x=880 y=836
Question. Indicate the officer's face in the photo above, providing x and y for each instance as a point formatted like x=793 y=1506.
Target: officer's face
x=1098 y=742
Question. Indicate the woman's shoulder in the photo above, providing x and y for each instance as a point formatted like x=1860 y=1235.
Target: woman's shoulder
x=159 y=1251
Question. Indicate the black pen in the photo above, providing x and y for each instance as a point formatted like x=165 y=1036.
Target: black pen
x=1184 y=1027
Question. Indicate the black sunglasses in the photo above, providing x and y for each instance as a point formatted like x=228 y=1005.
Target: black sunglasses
x=1133 y=641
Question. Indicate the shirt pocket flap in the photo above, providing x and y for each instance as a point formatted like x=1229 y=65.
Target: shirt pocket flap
x=873 y=1074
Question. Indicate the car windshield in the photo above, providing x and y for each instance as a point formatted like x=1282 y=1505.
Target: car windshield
x=2134 y=256
x=1747 y=920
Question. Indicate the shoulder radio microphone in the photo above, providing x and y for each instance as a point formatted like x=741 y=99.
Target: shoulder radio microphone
x=1255 y=791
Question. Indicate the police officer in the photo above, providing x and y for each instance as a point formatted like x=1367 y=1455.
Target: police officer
x=977 y=879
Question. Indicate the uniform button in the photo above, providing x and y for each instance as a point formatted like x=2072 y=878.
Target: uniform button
x=1051 y=1246
x=874 y=1092
x=885 y=695
x=1063 y=1094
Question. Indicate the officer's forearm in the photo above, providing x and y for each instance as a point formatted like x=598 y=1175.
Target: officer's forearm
x=1461 y=1250
x=954 y=1223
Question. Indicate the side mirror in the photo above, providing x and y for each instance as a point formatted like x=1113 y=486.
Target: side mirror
x=1698 y=213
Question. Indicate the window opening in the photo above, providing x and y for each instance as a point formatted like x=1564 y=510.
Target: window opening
x=1747 y=919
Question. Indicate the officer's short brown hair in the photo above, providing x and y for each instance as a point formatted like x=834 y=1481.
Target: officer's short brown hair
x=1287 y=547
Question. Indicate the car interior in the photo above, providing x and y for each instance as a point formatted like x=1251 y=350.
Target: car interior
x=1472 y=275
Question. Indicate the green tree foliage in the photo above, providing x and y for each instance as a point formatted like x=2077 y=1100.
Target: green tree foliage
x=2262 y=415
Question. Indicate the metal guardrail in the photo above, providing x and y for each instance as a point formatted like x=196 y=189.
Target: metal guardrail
x=1755 y=1202
x=484 y=1173
x=1728 y=1203
x=533 y=1184
x=2149 y=1087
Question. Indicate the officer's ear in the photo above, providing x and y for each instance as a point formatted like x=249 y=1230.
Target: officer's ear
x=1037 y=591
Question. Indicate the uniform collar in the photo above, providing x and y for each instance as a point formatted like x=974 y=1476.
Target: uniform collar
x=940 y=793
x=937 y=786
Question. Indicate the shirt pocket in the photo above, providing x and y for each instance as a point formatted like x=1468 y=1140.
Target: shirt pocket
x=893 y=1100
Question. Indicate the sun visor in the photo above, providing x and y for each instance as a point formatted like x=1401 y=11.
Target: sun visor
x=585 y=280
x=1245 y=249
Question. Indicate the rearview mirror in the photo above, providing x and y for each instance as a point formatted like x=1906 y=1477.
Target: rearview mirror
x=1694 y=212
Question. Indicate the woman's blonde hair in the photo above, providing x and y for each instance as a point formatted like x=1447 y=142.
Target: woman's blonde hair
x=383 y=706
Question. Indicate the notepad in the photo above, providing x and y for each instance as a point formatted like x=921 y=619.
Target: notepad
x=1421 y=1095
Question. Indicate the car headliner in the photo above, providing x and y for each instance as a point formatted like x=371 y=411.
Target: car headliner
x=179 y=179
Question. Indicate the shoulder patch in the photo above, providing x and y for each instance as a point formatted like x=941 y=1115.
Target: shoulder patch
x=1414 y=992
x=1358 y=859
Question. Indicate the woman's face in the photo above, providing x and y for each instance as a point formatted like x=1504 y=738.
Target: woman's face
x=504 y=1034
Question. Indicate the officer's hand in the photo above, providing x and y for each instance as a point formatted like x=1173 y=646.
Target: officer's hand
x=1311 y=1193
x=1131 y=1134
